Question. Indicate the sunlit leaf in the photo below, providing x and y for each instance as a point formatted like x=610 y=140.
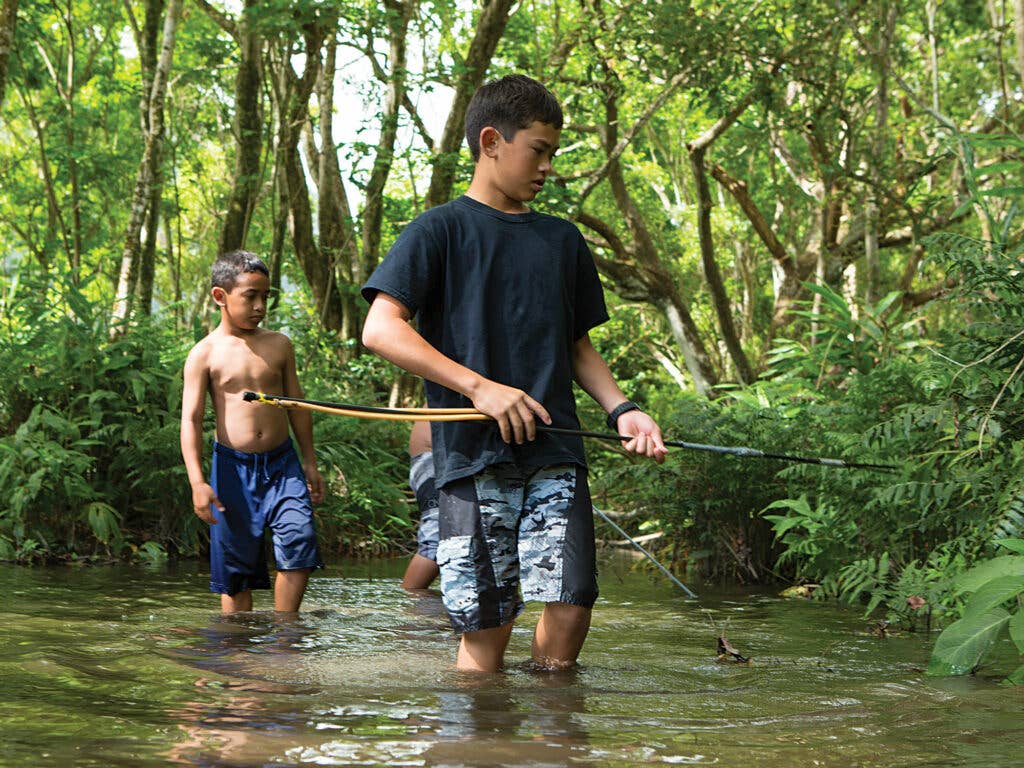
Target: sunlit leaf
x=994 y=593
x=964 y=643
x=988 y=570
x=1017 y=630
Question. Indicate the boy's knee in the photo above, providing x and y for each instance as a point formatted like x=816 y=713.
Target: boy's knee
x=567 y=614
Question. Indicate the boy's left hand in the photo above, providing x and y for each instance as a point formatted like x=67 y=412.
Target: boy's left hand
x=645 y=433
x=315 y=483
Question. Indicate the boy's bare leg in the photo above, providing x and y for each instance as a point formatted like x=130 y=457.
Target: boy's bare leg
x=289 y=587
x=560 y=633
x=420 y=572
x=483 y=650
x=240 y=601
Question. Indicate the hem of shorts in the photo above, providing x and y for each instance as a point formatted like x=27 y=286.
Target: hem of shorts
x=430 y=554
x=220 y=589
x=299 y=567
x=478 y=626
x=565 y=597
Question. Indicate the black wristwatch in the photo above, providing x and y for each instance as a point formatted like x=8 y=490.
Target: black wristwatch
x=618 y=410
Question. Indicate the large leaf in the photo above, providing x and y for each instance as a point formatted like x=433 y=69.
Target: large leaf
x=994 y=593
x=1017 y=677
x=988 y=570
x=963 y=644
x=1014 y=545
x=1017 y=630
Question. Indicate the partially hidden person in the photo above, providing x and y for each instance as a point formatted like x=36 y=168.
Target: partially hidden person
x=422 y=568
x=257 y=480
x=504 y=298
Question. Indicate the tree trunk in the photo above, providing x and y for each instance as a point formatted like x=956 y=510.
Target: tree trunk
x=8 y=24
x=872 y=266
x=293 y=93
x=338 y=239
x=712 y=275
x=398 y=16
x=147 y=172
x=248 y=131
x=147 y=259
x=1018 y=33
x=489 y=29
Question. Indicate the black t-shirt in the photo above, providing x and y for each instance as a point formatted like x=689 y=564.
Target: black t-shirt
x=506 y=295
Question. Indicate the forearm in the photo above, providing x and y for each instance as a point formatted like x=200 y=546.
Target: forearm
x=397 y=341
x=594 y=376
x=302 y=427
x=192 y=451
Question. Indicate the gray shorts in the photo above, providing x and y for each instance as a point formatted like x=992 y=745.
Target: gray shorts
x=421 y=480
x=503 y=531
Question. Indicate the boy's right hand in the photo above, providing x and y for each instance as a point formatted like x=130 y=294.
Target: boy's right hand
x=513 y=409
x=203 y=496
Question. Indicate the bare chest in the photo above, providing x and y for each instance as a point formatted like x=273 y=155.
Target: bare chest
x=241 y=365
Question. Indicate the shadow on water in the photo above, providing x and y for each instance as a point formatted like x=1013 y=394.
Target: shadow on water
x=129 y=666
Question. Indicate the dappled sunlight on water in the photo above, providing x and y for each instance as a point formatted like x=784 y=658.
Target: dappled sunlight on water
x=132 y=666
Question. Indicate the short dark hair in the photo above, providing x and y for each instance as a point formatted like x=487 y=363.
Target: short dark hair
x=509 y=104
x=230 y=265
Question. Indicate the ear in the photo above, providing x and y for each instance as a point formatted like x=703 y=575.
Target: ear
x=490 y=137
x=220 y=296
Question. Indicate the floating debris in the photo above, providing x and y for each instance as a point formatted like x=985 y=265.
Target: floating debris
x=727 y=653
x=800 y=590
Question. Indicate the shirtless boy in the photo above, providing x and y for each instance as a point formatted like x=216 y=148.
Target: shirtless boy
x=256 y=479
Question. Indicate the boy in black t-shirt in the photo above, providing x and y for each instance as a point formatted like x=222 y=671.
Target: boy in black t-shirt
x=504 y=298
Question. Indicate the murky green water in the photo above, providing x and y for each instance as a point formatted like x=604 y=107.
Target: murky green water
x=132 y=666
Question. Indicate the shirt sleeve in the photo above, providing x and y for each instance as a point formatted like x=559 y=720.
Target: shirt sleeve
x=410 y=271
x=590 y=307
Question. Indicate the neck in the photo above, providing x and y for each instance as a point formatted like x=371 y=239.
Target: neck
x=486 y=193
x=228 y=329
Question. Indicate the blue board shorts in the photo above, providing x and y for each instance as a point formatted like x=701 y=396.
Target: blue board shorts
x=421 y=480
x=502 y=531
x=259 y=491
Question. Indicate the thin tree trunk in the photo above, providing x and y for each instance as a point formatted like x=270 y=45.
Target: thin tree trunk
x=293 y=93
x=398 y=16
x=872 y=266
x=147 y=259
x=489 y=29
x=55 y=218
x=147 y=172
x=248 y=132
x=338 y=240
x=8 y=25
x=1018 y=33
x=712 y=275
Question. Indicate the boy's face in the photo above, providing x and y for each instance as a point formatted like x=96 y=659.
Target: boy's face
x=245 y=305
x=522 y=165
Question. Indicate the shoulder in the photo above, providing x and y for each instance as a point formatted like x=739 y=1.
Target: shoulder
x=434 y=219
x=560 y=224
x=200 y=352
x=275 y=340
x=565 y=234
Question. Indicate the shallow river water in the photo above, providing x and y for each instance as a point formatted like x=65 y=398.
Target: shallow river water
x=132 y=666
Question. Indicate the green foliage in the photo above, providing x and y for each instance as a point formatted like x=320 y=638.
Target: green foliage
x=88 y=452
x=955 y=410
x=995 y=590
x=843 y=343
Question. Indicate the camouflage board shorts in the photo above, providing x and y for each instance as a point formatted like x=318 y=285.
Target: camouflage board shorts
x=503 y=531
x=421 y=480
